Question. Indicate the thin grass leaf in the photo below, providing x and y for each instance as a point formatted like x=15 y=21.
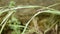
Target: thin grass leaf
x=52 y=12
x=3 y=26
x=7 y=16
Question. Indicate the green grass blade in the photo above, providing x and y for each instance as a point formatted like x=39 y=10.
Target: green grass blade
x=52 y=12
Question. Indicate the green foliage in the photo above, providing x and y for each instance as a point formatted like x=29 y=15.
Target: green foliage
x=14 y=21
x=12 y=4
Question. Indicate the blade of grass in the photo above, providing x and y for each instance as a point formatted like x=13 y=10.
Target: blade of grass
x=18 y=7
x=7 y=16
x=52 y=12
x=3 y=26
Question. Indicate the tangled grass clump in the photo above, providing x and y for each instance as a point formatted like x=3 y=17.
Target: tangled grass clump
x=12 y=21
